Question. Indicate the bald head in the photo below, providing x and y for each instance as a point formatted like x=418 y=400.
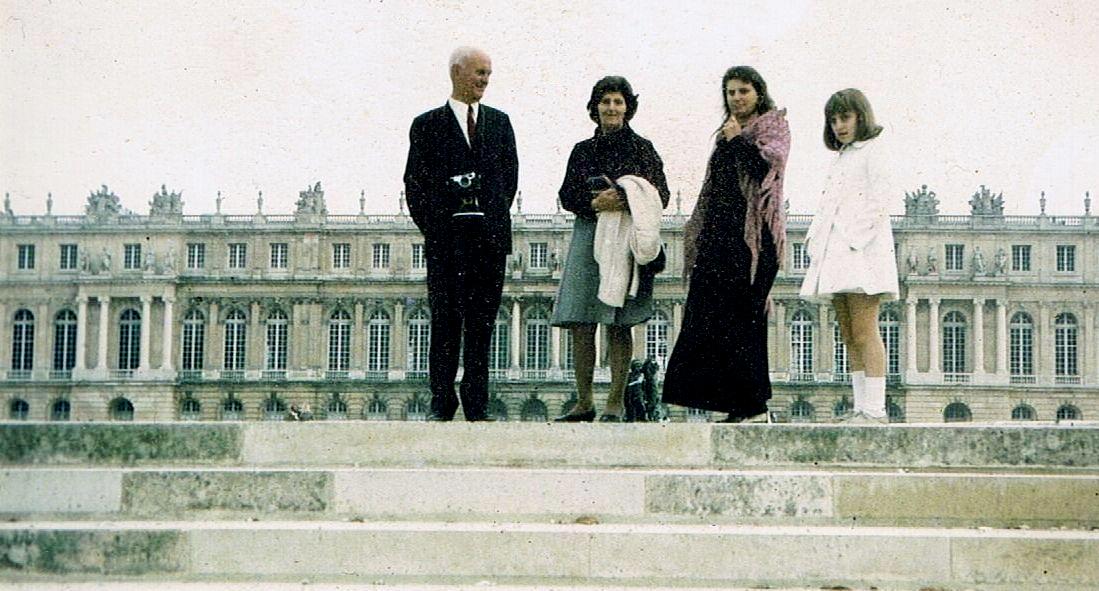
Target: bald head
x=470 y=69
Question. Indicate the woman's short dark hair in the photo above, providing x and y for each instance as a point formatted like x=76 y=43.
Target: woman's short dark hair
x=849 y=100
x=609 y=84
x=751 y=76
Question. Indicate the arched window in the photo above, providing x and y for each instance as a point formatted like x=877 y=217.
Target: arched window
x=236 y=340
x=129 y=339
x=954 y=329
x=801 y=411
x=194 y=341
x=337 y=408
x=801 y=346
x=377 y=343
x=274 y=409
x=1064 y=349
x=190 y=409
x=841 y=408
x=339 y=341
x=1068 y=412
x=889 y=325
x=497 y=409
x=656 y=338
x=537 y=340
x=894 y=410
x=232 y=409
x=534 y=411
x=419 y=344
x=377 y=409
x=64 y=341
x=19 y=409
x=60 y=410
x=1021 y=348
x=957 y=412
x=22 y=342
x=499 y=350
x=1023 y=412
x=121 y=409
x=840 y=368
x=415 y=409
x=276 y=347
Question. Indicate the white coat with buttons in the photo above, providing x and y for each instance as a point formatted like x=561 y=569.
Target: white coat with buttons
x=850 y=242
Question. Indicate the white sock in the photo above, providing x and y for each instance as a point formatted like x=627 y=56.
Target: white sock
x=873 y=399
x=858 y=386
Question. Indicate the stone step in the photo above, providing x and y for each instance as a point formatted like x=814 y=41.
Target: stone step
x=699 y=445
x=163 y=585
x=803 y=496
x=604 y=554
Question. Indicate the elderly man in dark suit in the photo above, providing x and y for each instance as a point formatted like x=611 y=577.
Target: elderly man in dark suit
x=460 y=181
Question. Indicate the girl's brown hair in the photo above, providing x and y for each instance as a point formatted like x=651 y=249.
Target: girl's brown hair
x=850 y=100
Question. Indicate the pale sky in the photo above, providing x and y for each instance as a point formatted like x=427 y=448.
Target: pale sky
x=248 y=96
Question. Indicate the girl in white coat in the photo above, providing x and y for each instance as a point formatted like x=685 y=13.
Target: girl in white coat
x=850 y=244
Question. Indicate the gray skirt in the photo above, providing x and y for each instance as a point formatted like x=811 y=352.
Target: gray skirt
x=578 y=295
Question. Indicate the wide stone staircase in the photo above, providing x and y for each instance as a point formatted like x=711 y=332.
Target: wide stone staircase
x=535 y=506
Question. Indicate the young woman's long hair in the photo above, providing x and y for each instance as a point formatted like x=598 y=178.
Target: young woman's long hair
x=751 y=76
x=850 y=100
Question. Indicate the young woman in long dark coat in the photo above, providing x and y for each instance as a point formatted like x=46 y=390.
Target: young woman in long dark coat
x=733 y=246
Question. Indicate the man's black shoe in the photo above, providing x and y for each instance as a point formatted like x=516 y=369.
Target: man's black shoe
x=437 y=417
x=481 y=419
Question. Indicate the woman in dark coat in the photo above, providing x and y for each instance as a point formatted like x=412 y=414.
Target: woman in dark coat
x=733 y=244
x=613 y=152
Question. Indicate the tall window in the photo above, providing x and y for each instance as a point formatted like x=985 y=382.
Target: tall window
x=275 y=351
x=341 y=255
x=26 y=257
x=1023 y=412
x=64 y=341
x=68 y=257
x=194 y=340
x=840 y=367
x=955 y=257
x=957 y=412
x=499 y=348
x=537 y=345
x=954 y=329
x=889 y=326
x=801 y=346
x=196 y=255
x=129 y=339
x=418 y=260
x=1064 y=346
x=377 y=341
x=419 y=342
x=131 y=256
x=380 y=260
x=1066 y=258
x=238 y=255
x=339 y=341
x=656 y=338
x=280 y=255
x=236 y=338
x=1020 y=257
x=800 y=256
x=1021 y=345
x=539 y=255
x=60 y=410
x=19 y=410
x=22 y=341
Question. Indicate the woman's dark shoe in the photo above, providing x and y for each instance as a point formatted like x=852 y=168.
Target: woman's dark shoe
x=608 y=418
x=586 y=416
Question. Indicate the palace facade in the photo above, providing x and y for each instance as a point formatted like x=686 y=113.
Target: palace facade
x=165 y=316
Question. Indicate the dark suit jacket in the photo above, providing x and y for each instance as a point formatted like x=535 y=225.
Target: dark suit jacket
x=438 y=150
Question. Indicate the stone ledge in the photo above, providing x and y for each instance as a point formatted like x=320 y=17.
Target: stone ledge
x=118 y=443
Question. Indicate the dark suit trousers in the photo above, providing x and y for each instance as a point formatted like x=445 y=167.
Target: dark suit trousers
x=463 y=289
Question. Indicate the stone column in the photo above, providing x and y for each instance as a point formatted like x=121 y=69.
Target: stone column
x=166 y=334
x=254 y=351
x=146 y=329
x=5 y=336
x=43 y=361
x=677 y=325
x=358 y=339
x=781 y=346
x=555 y=347
x=910 y=336
x=1001 y=338
x=978 y=335
x=516 y=333
x=81 y=331
x=828 y=341
x=104 y=326
x=933 y=364
x=1091 y=346
x=398 y=339
x=319 y=349
x=639 y=340
x=213 y=342
x=1044 y=338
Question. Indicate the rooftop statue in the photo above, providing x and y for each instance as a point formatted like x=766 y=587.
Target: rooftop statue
x=165 y=203
x=922 y=202
x=985 y=203
x=103 y=205
x=311 y=201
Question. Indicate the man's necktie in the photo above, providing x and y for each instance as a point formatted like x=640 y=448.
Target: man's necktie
x=471 y=124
